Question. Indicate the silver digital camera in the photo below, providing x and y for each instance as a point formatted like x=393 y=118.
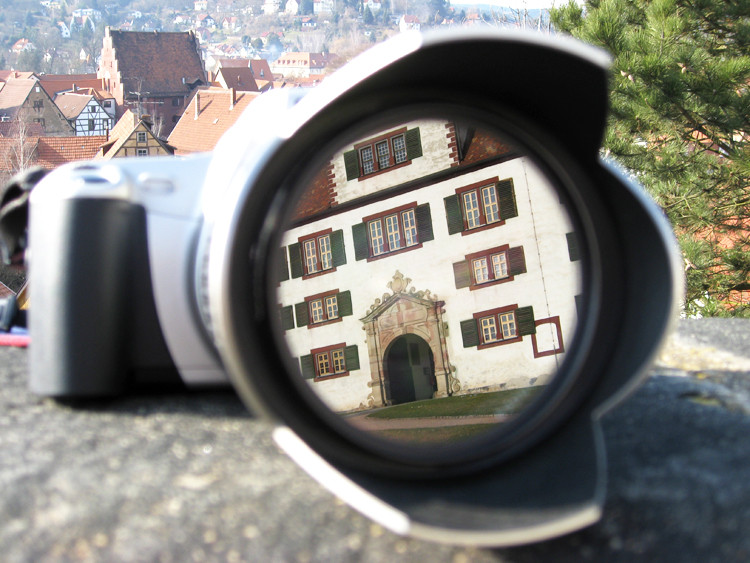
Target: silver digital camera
x=435 y=288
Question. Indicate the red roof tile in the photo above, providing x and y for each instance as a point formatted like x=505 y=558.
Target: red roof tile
x=71 y=105
x=55 y=83
x=215 y=115
x=56 y=151
x=14 y=93
x=237 y=78
x=157 y=62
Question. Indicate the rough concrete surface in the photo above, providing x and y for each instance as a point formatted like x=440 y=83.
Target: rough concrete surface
x=191 y=477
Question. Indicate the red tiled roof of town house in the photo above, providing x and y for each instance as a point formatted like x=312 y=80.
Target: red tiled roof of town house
x=159 y=63
x=237 y=78
x=55 y=83
x=261 y=69
x=47 y=152
x=5 y=75
x=71 y=105
x=199 y=129
x=483 y=145
x=14 y=94
x=56 y=151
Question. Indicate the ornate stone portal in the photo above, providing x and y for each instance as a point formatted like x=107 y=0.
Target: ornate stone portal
x=400 y=313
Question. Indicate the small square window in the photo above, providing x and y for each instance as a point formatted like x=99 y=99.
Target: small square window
x=141 y=152
x=140 y=137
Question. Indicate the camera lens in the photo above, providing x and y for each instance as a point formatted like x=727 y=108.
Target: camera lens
x=428 y=282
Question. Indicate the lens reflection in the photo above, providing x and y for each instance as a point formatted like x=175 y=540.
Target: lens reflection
x=429 y=282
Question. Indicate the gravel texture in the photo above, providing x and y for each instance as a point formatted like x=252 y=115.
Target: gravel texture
x=191 y=477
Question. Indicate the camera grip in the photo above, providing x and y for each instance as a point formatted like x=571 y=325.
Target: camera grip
x=81 y=269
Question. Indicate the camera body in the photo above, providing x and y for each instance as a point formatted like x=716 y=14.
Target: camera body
x=120 y=250
x=113 y=254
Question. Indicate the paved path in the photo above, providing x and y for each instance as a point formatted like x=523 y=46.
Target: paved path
x=365 y=422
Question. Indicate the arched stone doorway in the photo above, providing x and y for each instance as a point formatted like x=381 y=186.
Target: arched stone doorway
x=409 y=370
x=412 y=322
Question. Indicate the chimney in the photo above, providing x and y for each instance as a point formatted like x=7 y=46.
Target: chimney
x=197 y=104
x=148 y=122
x=75 y=88
x=233 y=98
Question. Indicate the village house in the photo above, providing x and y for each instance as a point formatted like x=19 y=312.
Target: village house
x=238 y=78
x=408 y=22
x=22 y=45
x=428 y=260
x=151 y=73
x=85 y=113
x=55 y=84
x=259 y=68
x=23 y=99
x=211 y=112
x=133 y=136
x=299 y=64
x=205 y=20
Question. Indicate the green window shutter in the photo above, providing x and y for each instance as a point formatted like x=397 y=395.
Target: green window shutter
x=462 y=274
x=573 y=251
x=344 y=302
x=424 y=222
x=351 y=357
x=351 y=163
x=469 y=333
x=361 y=248
x=303 y=313
x=337 y=248
x=413 y=143
x=516 y=261
x=453 y=214
x=287 y=317
x=283 y=266
x=525 y=321
x=506 y=197
x=307 y=365
x=295 y=260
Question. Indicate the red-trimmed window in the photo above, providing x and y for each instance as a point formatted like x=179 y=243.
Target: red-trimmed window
x=323 y=308
x=317 y=253
x=480 y=206
x=393 y=231
x=390 y=150
x=488 y=267
x=330 y=362
x=494 y=327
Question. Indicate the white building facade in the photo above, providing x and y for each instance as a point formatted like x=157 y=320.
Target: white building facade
x=428 y=260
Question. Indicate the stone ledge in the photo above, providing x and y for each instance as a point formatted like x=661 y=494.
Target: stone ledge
x=191 y=477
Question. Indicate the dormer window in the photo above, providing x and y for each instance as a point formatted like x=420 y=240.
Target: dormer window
x=386 y=152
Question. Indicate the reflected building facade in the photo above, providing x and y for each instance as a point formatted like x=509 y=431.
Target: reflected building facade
x=424 y=261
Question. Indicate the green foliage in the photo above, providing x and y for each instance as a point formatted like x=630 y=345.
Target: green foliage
x=680 y=121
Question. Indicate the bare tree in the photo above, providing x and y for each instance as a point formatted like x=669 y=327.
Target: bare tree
x=18 y=148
